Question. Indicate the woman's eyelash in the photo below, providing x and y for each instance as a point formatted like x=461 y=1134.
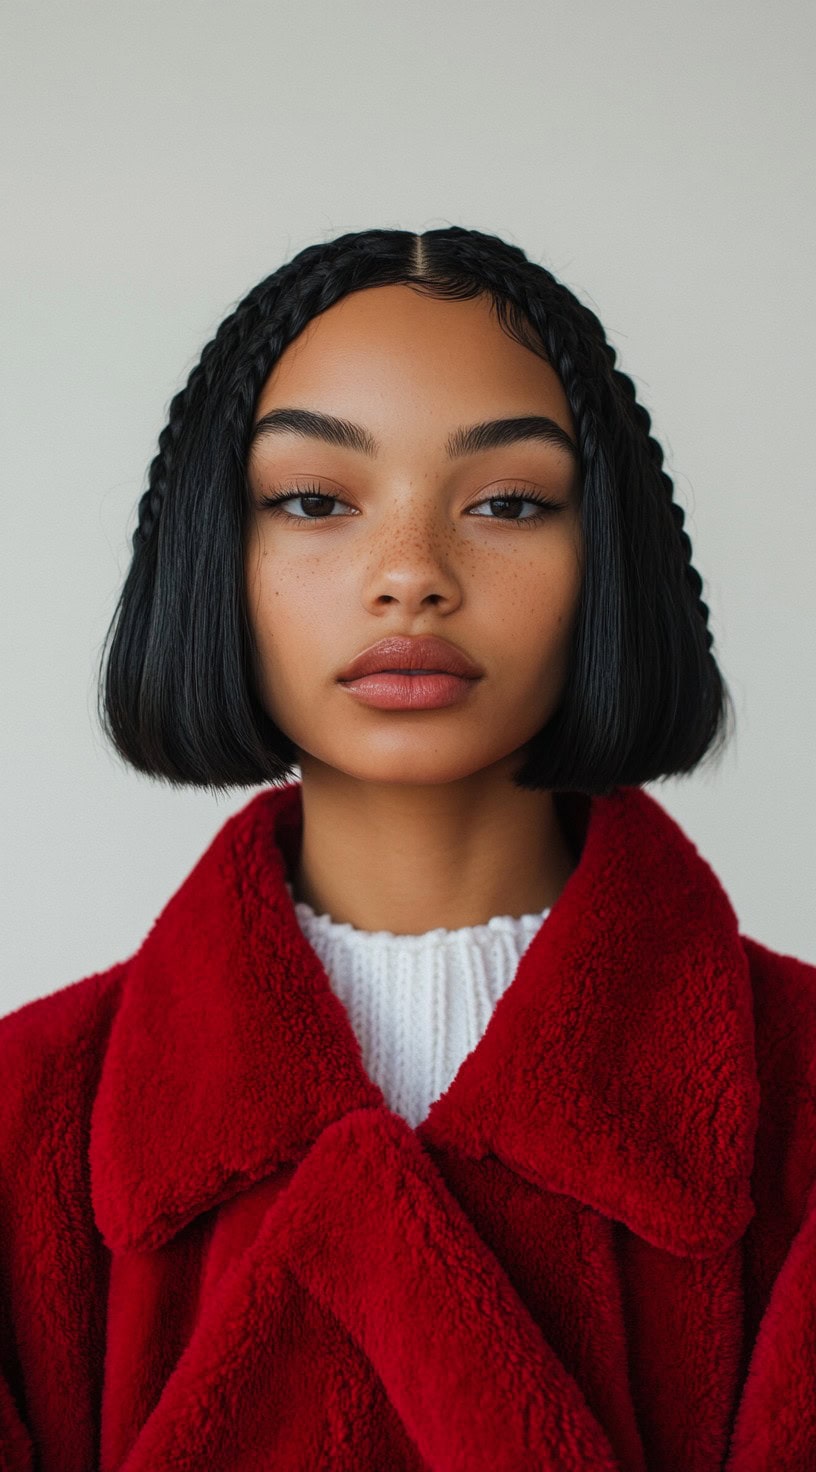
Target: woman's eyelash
x=274 y=503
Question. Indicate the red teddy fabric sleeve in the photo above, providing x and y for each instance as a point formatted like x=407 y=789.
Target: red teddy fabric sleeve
x=775 y=1425
x=54 y=1266
x=16 y=1450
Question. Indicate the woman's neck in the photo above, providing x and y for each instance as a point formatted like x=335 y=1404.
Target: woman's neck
x=411 y=859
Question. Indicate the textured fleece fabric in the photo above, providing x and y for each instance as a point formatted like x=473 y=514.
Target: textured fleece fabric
x=220 y=1249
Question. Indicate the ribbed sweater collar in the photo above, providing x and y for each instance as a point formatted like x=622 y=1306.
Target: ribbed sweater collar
x=418 y=1003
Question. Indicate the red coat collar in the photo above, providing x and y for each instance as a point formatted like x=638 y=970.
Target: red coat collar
x=618 y=1068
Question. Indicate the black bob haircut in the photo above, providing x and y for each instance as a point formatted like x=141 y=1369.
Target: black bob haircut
x=644 y=698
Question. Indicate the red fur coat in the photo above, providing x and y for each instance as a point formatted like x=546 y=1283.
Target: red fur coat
x=220 y=1249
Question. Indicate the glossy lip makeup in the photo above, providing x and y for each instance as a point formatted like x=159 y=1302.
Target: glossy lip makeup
x=407 y=690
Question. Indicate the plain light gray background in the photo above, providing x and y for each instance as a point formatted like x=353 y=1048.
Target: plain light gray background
x=162 y=158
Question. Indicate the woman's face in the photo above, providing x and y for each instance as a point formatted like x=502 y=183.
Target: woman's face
x=412 y=540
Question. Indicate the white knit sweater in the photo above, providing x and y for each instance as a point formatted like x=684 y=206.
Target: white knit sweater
x=418 y=1004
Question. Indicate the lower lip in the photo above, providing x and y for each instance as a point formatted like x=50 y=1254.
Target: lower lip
x=409 y=692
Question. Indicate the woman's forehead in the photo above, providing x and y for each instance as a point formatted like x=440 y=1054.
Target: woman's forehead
x=391 y=349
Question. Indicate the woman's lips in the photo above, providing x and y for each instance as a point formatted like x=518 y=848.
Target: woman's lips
x=404 y=654
x=409 y=690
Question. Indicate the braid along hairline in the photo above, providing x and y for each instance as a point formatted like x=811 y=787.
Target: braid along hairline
x=250 y=313
x=313 y=294
x=249 y=310
x=576 y=386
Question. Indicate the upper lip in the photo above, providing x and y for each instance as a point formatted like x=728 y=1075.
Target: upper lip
x=420 y=653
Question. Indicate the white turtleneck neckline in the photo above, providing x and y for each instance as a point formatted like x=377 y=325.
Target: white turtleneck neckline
x=418 y=1004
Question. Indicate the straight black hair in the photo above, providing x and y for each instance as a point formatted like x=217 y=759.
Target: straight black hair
x=644 y=698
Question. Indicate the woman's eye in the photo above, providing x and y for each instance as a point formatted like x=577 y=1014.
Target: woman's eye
x=275 y=503
x=541 y=507
x=511 y=502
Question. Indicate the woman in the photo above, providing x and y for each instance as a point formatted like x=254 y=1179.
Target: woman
x=444 y=1118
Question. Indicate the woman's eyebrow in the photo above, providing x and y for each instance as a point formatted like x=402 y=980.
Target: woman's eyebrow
x=467 y=440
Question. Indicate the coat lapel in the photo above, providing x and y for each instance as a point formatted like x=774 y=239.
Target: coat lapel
x=618 y=1068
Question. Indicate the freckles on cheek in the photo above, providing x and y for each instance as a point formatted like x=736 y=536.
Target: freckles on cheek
x=301 y=606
